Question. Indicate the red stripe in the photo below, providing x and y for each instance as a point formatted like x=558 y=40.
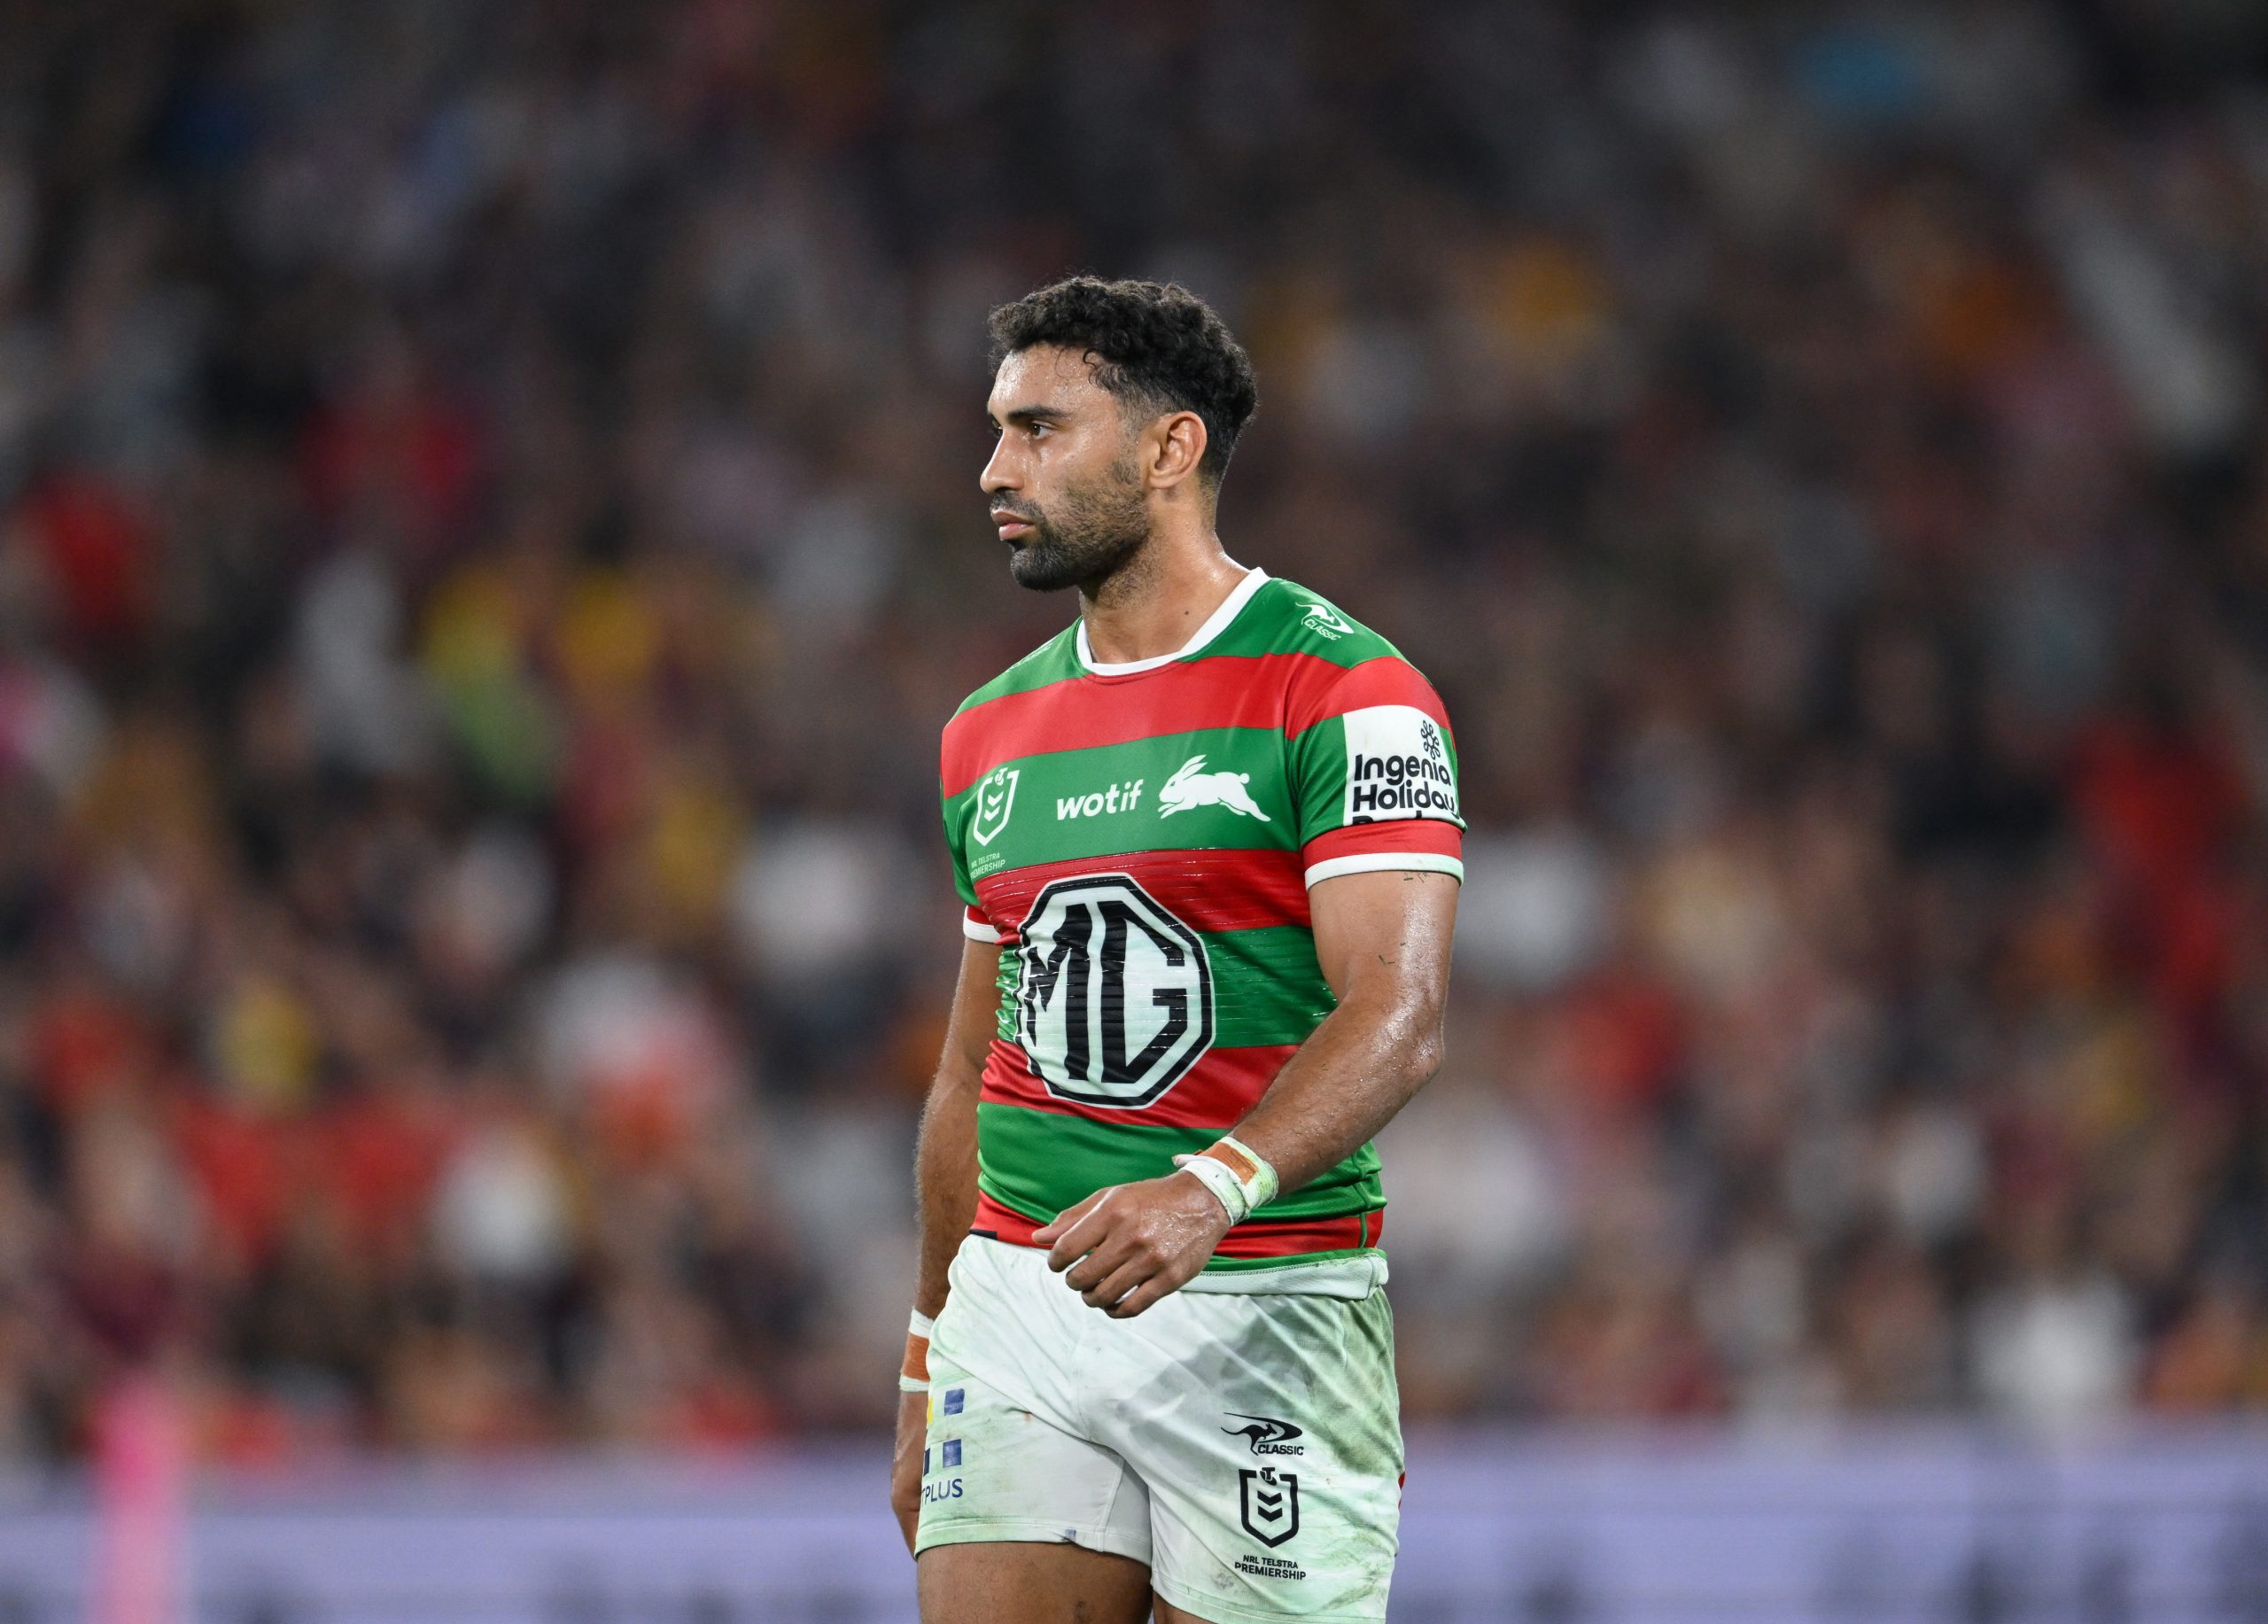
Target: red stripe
x=1428 y=834
x=1251 y=1239
x=1384 y=680
x=1223 y=690
x=1219 y=1092
x=1211 y=890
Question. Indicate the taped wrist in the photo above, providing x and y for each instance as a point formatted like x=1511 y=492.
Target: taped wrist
x=1237 y=1175
x=913 y=1375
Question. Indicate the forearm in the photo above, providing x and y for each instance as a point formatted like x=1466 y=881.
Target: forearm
x=945 y=1182
x=1347 y=1082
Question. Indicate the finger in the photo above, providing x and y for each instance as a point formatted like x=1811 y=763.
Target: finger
x=1140 y=1298
x=1097 y=1264
x=1163 y=1283
x=1078 y=1238
x=1119 y=1281
x=1046 y=1234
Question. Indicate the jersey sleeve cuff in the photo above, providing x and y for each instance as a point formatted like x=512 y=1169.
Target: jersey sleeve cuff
x=1379 y=862
x=978 y=929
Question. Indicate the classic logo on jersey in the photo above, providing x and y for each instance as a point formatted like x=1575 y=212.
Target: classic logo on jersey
x=1268 y=1504
x=1327 y=621
x=1267 y=1434
x=1397 y=766
x=996 y=804
x=1115 y=995
x=1190 y=789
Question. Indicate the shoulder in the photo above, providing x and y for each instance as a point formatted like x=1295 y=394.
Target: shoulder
x=1056 y=660
x=1289 y=619
x=1338 y=663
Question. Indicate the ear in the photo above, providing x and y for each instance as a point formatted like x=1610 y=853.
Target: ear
x=1173 y=446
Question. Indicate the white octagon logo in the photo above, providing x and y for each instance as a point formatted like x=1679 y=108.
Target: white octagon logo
x=1114 y=994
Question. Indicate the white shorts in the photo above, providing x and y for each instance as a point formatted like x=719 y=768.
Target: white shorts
x=1242 y=1437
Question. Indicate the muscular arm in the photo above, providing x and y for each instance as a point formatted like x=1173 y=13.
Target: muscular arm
x=945 y=1183
x=1384 y=943
x=1383 y=940
x=944 y=1163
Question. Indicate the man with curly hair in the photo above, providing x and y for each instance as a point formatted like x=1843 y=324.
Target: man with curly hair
x=1209 y=843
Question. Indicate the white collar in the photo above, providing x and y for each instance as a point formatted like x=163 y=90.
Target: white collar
x=1214 y=624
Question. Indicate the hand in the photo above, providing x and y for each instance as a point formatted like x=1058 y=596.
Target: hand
x=906 y=1465
x=1127 y=1246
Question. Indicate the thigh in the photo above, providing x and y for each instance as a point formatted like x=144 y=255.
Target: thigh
x=1022 y=1583
x=995 y=1472
x=1266 y=1431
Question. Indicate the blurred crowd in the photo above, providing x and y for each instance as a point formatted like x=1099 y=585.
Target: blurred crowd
x=489 y=534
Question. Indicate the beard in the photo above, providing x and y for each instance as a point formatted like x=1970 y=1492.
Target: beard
x=1091 y=534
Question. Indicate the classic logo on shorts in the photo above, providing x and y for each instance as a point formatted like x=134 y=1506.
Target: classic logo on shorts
x=1115 y=995
x=1397 y=766
x=996 y=804
x=1267 y=1434
x=1268 y=1504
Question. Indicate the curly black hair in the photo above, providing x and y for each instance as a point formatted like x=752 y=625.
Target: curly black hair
x=1156 y=343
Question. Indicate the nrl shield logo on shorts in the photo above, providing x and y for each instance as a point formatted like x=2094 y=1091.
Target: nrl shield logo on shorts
x=1268 y=1504
x=996 y=803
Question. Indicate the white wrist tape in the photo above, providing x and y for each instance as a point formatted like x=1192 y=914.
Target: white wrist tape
x=913 y=1375
x=1236 y=1174
x=1215 y=1177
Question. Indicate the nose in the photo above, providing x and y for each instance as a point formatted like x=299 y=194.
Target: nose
x=999 y=470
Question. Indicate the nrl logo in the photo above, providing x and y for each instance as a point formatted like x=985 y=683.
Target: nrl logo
x=1268 y=1504
x=996 y=803
x=1266 y=1435
x=1326 y=620
x=1190 y=789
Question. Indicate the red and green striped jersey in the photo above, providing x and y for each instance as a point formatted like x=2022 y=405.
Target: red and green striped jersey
x=1140 y=839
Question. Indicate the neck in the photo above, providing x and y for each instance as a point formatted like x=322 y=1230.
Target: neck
x=1154 y=605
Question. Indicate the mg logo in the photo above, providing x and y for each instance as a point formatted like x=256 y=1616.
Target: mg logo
x=996 y=804
x=1114 y=994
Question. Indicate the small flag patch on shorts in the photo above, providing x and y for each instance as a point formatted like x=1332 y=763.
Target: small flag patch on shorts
x=953 y=1400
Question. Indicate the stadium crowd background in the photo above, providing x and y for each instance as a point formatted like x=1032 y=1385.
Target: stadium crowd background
x=489 y=535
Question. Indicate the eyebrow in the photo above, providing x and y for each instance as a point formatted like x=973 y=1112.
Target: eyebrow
x=1026 y=415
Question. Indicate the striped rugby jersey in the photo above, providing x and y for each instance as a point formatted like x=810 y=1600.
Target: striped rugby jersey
x=1140 y=838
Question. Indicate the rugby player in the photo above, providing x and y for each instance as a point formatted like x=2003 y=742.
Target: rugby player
x=1208 y=842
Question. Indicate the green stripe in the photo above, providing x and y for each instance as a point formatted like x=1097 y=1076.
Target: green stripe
x=1276 y=622
x=1267 y=986
x=1235 y=1265
x=1056 y=660
x=1049 y=821
x=1039 y=1162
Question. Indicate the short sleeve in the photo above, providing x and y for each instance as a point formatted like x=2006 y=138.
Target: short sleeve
x=1373 y=769
x=974 y=925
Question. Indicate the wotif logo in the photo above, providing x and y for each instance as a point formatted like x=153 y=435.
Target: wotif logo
x=1099 y=803
x=1190 y=789
x=1397 y=766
